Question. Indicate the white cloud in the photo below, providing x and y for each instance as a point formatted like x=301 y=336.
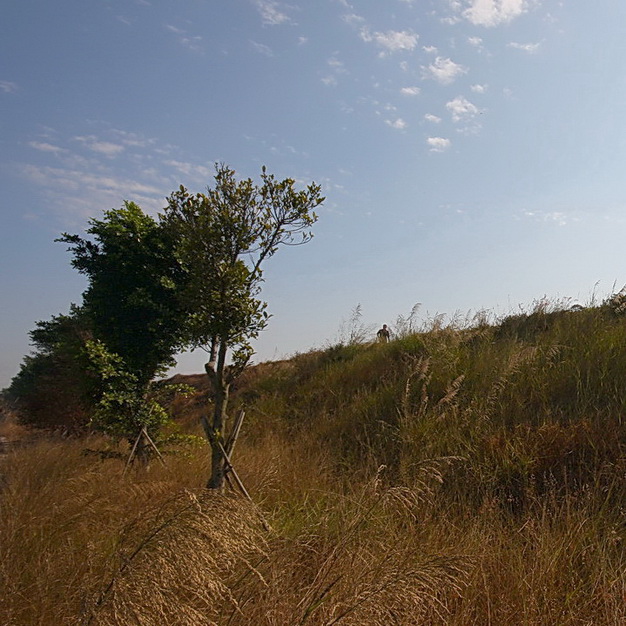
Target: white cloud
x=353 y=19
x=429 y=49
x=461 y=109
x=7 y=86
x=271 y=13
x=429 y=117
x=83 y=179
x=531 y=48
x=398 y=124
x=491 y=12
x=479 y=88
x=106 y=148
x=475 y=41
x=444 y=70
x=46 y=147
x=191 y=170
x=132 y=139
x=261 y=48
x=174 y=29
x=81 y=193
x=438 y=144
x=191 y=42
x=410 y=91
x=337 y=68
x=558 y=217
x=392 y=40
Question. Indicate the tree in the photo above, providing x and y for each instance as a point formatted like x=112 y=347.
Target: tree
x=54 y=387
x=132 y=297
x=133 y=305
x=223 y=239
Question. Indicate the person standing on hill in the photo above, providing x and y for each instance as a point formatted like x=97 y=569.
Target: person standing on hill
x=383 y=334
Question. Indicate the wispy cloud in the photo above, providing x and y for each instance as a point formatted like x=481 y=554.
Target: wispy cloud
x=272 y=13
x=477 y=88
x=46 y=147
x=398 y=124
x=531 y=48
x=191 y=42
x=410 y=91
x=199 y=173
x=337 y=68
x=84 y=179
x=443 y=70
x=76 y=192
x=558 y=217
x=261 y=48
x=434 y=119
x=438 y=144
x=353 y=19
x=462 y=110
x=6 y=86
x=132 y=140
x=391 y=40
x=491 y=12
x=106 y=148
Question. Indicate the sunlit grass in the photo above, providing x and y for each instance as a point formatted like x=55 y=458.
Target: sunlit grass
x=466 y=474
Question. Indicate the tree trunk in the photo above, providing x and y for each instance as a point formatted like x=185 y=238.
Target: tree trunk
x=222 y=388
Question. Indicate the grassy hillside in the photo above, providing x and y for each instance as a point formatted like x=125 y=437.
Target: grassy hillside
x=458 y=476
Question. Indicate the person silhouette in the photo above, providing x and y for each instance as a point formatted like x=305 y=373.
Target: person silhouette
x=383 y=334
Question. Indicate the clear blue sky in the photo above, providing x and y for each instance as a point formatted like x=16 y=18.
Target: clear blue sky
x=472 y=152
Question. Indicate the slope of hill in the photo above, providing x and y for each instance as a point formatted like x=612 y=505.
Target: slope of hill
x=454 y=476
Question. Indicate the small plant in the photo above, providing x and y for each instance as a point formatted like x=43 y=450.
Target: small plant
x=617 y=302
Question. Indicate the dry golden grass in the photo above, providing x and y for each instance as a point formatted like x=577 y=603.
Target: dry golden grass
x=82 y=544
x=453 y=478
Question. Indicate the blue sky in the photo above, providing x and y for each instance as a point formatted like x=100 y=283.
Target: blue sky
x=472 y=152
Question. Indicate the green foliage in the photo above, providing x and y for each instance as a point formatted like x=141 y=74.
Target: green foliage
x=222 y=240
x=53 y=387
x=124 y=407
x=223 y=237
x=534 y=404
x=132 y=298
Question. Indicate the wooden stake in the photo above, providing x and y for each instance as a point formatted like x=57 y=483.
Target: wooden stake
x=131 y=456
x=145 y=432
x=132 y=452
x=229 y=464
x=232 y=440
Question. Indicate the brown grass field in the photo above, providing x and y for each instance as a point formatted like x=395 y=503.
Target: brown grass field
x=459 y=475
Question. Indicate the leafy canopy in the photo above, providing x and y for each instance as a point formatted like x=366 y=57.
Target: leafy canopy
x=223 y=237
x=132 y=297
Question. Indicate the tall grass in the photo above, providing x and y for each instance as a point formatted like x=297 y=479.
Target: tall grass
x=465 y=474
